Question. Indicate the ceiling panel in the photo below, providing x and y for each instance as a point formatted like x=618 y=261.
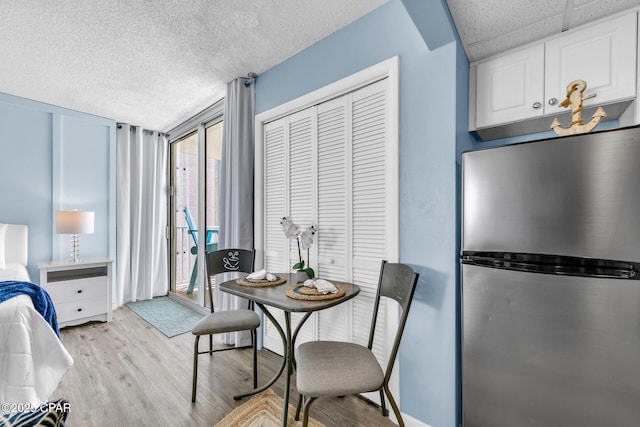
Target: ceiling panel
x=489 y=27
x=586 y=11
x=480 y=20
x=519 y=37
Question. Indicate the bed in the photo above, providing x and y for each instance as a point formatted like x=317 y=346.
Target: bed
x=33 y=360
x=14 y=252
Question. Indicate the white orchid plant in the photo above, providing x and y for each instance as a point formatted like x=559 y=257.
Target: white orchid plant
x=304 y=239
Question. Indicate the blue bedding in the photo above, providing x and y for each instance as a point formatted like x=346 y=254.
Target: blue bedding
x=41 y=299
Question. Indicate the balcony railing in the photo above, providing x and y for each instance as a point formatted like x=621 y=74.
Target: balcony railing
x=184 y=258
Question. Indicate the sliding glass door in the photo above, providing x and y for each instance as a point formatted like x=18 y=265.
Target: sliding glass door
x=195 y=164
x=184 y=202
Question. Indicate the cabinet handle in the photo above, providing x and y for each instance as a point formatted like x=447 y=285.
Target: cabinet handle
x=79 y=309
x=537 y=105
x=79 y=291
x=553 y=101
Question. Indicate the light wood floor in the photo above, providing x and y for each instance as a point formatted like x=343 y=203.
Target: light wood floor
x=127 y=373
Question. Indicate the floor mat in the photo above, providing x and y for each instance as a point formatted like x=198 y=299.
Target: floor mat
x=166 y=315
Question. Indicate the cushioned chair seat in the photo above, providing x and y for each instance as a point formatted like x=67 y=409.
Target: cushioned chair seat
x=230 y=261
x=227 y=321
x=330 y=370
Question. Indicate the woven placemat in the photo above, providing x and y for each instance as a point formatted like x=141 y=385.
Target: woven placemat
x=262 y=283
x=307 y=293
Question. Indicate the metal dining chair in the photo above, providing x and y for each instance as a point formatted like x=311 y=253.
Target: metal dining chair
x=335 y=368
x=217 y=322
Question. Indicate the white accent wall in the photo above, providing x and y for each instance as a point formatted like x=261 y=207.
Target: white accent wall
x=51 y=159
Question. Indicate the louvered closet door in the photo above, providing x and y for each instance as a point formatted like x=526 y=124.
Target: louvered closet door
x=276 y=200
x=336 y=176
x=289 y=164
x=275 y=195
x=369 y=200
x=333 y=211
x=302 y=196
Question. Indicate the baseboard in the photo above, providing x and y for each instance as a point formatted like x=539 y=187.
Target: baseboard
x=409 y=421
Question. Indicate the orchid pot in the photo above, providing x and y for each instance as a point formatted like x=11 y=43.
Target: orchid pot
x=302 y=276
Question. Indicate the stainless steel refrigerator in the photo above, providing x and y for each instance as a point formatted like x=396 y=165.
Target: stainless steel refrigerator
x=550 y=283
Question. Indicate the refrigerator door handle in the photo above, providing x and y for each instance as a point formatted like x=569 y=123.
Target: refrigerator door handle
x=626 y=274
x=594 y=269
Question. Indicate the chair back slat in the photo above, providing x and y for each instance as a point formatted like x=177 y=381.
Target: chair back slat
x=397 y=282
x=228 y=261
x=191 y=225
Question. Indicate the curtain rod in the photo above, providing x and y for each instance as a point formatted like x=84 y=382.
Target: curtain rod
x=251 y=78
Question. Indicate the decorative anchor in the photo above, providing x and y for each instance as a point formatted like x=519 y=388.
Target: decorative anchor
x=574 y=99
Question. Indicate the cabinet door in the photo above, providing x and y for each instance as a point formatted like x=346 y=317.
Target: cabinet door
x=510 y=88
x=603 y=55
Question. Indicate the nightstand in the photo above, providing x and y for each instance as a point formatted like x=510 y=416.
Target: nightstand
x=81 y=292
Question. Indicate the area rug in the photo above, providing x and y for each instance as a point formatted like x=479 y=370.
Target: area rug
x=166 y=315
x=263 y=410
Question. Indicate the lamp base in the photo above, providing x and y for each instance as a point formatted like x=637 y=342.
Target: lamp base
x=75 y=249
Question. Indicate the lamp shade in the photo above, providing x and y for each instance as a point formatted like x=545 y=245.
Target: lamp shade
x=74 y=222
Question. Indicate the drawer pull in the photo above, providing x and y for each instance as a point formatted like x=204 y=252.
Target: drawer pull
x=79 y=309
x=79 y=291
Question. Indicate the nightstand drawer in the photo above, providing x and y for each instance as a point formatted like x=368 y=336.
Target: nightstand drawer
x=74 y=290
x=79 y=309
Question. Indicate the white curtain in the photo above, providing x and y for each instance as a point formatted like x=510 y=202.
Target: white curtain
x=236 y=187
x=141 y=219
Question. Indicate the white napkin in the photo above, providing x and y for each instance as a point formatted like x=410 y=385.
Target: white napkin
x=323 y=286
x=261 y=275
x=257 y=275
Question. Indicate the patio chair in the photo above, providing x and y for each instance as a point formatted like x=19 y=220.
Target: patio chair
x=217 y=322
x=334 y=368
x=211 y=246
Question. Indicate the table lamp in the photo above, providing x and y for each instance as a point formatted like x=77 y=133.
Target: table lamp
x=74 y=223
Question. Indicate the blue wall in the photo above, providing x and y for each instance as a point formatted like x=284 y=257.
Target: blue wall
x=53 y=159
x=433 y=85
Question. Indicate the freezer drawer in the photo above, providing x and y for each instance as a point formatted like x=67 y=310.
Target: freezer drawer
x=547 y=350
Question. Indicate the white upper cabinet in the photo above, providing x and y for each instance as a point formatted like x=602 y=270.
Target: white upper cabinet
x=603 y=55
x=529 y=84
x=511 y=87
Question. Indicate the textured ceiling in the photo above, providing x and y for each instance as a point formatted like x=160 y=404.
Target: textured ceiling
x=153 y=63
x=487 y=27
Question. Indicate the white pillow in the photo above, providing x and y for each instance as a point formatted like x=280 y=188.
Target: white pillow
x=3 y=232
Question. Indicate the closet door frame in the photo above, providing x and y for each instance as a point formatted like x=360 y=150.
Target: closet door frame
x=388 y=69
